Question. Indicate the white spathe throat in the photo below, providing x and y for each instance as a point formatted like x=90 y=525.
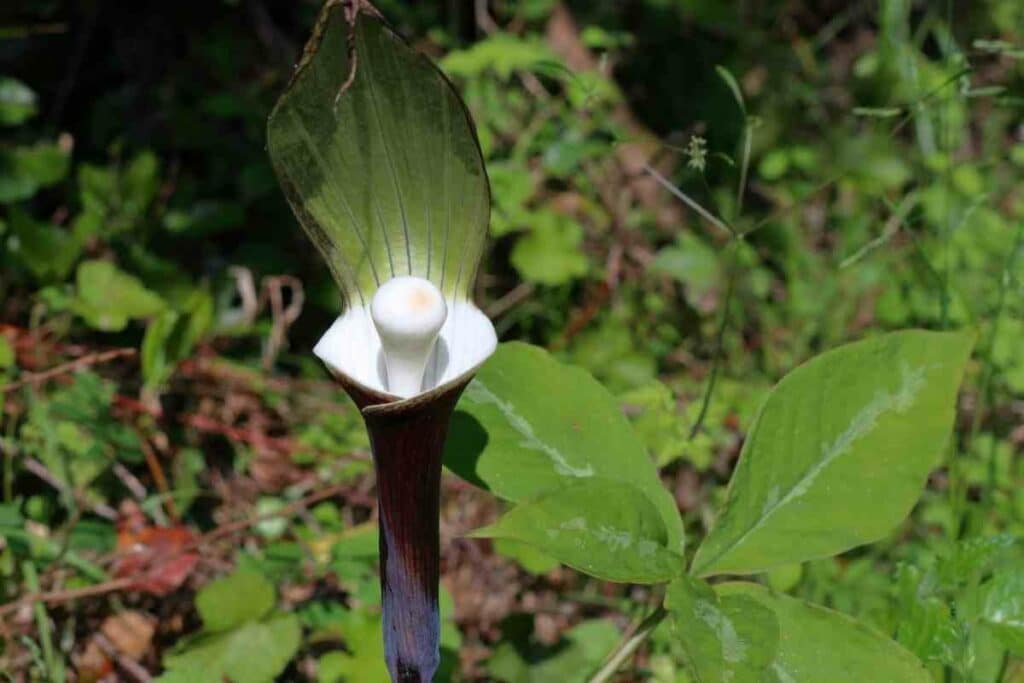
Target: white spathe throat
x=408 y=340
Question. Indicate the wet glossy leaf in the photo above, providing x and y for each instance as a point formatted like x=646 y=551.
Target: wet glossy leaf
x=603 y=528
x=384 y=172
x=839 y=452
x=528 y=425
x=817 y=644
x=728 y=638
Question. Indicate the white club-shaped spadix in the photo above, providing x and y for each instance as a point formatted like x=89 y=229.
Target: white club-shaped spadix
x=408 y=313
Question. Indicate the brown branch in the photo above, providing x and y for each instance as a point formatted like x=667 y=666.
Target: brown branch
x=518 y=294
x=67 y=595
x=70 y=366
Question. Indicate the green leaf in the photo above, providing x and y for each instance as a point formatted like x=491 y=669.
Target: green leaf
x=1003 y=609
x=573 y=660
x=528 y=557
x=108 y=298
x=656 y=420
x=928 y=630
x=973 y=557
x=727 y=638
x=363 y=661
x=48 y=251
x=7 y=355
x=116 y=198
x=692 y=263
x=817 y=644
x=602 y=528
x=502 y=53
x=187 y=465
x=877 y=112
x=171 y=336
x=774 y=164
x=25 y=170
x=256 y=652
x=733 y=85
x=229 y=602
x=17 y=102
x=513 y=187
x=156 y=362
x=528 y=425
x=73 y=433
x=205 y=217
x=839 y=452
x=551 y=252
x=384 y=172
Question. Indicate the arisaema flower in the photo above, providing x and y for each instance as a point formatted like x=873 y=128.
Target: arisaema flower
x=379 y=160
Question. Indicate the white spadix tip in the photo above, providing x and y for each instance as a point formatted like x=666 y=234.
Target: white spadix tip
x=408 y=313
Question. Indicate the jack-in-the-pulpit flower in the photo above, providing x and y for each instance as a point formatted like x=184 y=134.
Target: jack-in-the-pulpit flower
x=379 y=160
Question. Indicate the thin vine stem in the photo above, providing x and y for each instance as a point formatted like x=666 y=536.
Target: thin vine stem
x=690 y=202
x=629 y=644
x=716 y=361
x=52 y=662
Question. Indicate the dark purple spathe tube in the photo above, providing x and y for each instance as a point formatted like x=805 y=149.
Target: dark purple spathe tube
x=407 y=438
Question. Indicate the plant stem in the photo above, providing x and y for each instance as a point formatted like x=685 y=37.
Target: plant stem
x=985 y=388
x=686 y=199
x=716 y=362
x=628 y=645
x=54 y=666
x=748 y=143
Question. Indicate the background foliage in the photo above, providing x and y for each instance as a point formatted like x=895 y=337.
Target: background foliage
x=691 y=198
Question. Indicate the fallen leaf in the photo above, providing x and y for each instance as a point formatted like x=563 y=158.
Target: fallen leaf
x=130 y=632
x=154 y=558
x=92 y=664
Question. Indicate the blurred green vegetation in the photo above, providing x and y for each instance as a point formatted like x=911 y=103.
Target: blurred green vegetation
x=859 y=165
